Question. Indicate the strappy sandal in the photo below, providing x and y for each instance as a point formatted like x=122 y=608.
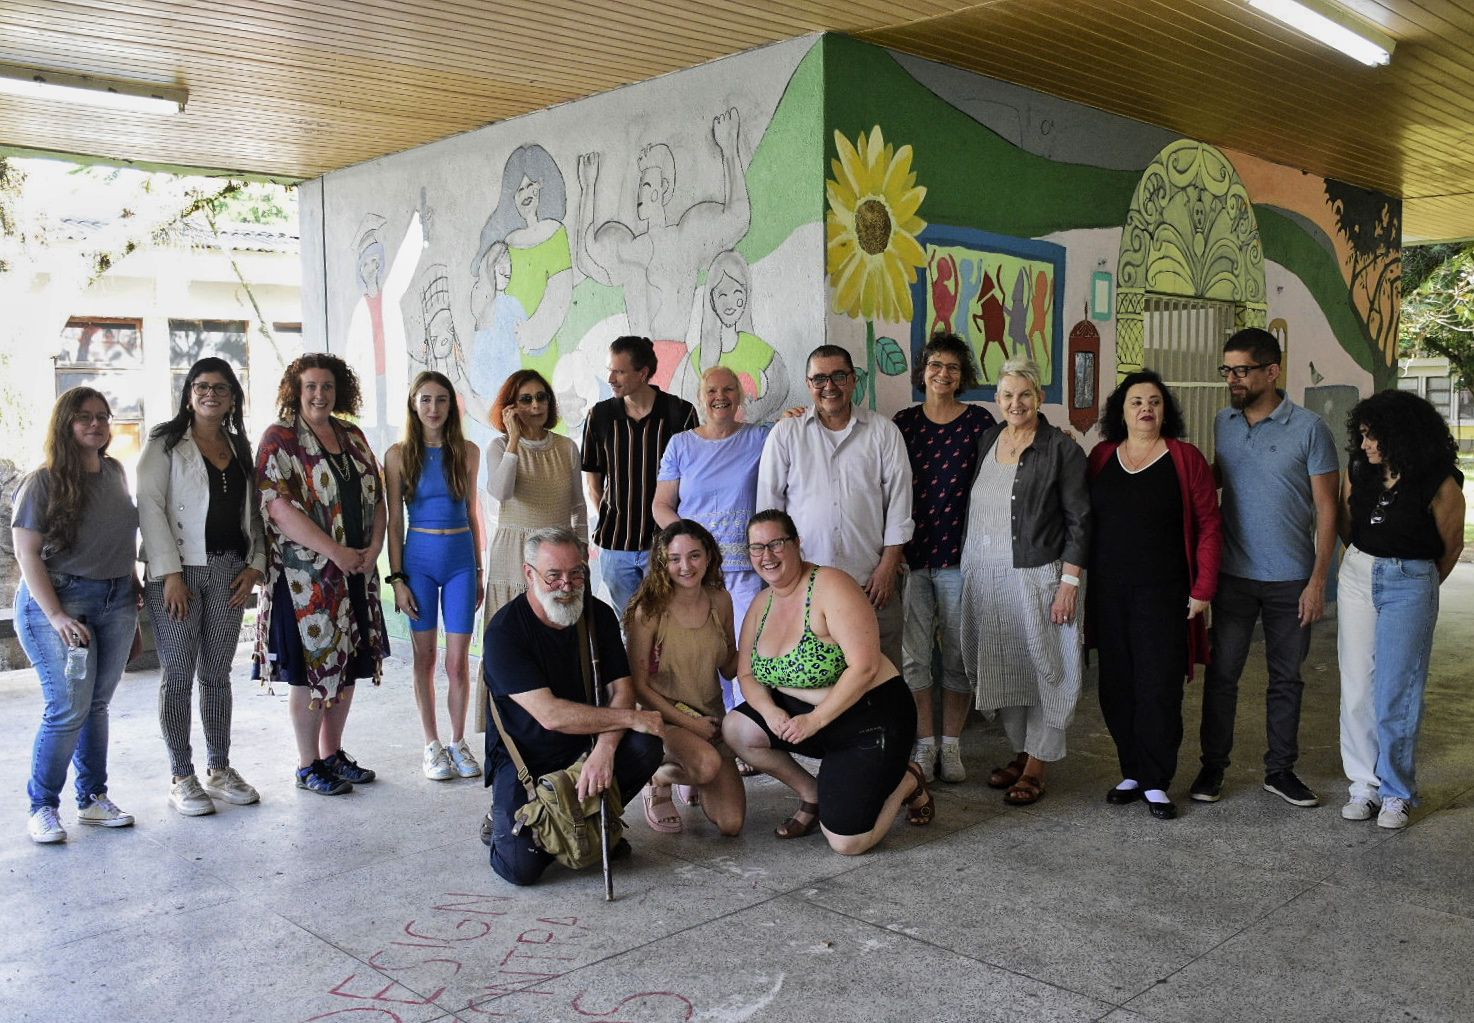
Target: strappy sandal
x=795 y=828
x=919 y=813
x=1029 y=789
x=669 y=823
x=745 y=769
x=687 y=795
x=1007 y=776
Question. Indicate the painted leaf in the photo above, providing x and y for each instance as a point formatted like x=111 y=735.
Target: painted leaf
x=889 y=357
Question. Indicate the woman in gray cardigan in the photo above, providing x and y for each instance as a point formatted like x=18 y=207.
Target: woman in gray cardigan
x=1028 y=522
x=205 y=549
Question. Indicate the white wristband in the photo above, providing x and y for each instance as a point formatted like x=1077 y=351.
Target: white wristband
x=1070 y=580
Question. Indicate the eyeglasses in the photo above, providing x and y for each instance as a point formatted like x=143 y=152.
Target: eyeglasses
x=574 y=576
x=952 y=369
x=218 y=390
x=772 y=546
x=1379 y=513
x=839 y=378
x=535 y=398
x=1239 y=372
x=88 y=418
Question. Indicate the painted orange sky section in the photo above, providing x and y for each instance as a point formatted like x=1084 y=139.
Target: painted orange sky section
x=1277 y=185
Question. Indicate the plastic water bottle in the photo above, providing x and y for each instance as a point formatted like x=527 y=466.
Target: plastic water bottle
x=76 y=669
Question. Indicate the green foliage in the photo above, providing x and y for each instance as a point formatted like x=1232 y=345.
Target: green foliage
x=1438 y=318
x=257 y=202
x=1418 y=261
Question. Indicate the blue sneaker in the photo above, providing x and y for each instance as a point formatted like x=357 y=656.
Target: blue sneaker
x=344 y=766
x=317 y=777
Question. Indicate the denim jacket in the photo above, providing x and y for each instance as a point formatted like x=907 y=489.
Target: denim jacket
x=173 y=497
x=1051 y=500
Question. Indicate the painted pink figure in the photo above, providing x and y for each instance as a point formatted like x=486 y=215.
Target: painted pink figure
x=991 y=319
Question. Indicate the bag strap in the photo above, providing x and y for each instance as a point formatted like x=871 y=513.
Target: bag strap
x=522 y=774
x=586 y=633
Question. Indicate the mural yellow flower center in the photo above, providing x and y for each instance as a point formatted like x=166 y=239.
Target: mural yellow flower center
x=873 y=226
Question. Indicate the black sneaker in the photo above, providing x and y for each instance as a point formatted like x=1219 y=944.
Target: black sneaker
x=316 y=777
x=1207 y=787
x=344 y=766
x=486 y=828
x=1291 y=789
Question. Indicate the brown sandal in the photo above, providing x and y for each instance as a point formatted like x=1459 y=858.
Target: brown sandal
x=795 y=828
x=746 y=770
x=1026 y=791
x=1006 y=777
x=919 y=813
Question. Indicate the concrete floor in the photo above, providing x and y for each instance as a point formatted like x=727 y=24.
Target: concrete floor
x=381 y=906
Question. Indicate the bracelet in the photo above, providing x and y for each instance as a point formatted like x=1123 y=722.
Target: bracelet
x=396 y=577
x=1070 y=580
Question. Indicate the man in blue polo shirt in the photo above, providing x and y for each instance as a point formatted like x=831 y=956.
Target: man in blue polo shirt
x=1277 y=465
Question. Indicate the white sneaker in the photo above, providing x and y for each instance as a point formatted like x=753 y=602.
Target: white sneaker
x=437 y=763
x=950 y=762
x=926 y=756
x=1394 y=813
x=186 y=796
x=461 y=759
x=103 y=812
x=45 y=826
x=226 y=784
x=1360 y=808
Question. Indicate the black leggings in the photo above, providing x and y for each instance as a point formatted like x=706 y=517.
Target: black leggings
x=864 y=752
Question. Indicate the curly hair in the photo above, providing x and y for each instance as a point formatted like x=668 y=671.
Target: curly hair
x=656 y=589
x=506 y=397
x=1113 y=416
x=946 y=343
x=348 y=394
x=1414 y=440
x=66 y=493
x=412 y=442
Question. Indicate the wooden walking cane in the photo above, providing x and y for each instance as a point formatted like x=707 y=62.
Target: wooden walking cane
x=598 y=687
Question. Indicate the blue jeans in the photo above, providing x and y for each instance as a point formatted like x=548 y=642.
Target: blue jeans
x=933 y=608
x=1387 y=609
x=622 y=572
x=74 y=722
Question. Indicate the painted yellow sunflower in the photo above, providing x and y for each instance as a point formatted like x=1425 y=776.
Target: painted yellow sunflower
x=872 y=227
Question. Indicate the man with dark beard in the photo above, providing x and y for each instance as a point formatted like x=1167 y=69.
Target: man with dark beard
x=530 y=662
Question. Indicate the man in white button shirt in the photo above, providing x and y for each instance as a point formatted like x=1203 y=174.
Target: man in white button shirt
x=842 y=473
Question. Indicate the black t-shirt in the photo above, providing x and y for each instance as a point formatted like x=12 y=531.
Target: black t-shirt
x=521 y=654
x=1137 y=523
x=1405 y=527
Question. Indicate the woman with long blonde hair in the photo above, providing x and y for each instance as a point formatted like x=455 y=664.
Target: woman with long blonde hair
x=435 y=565
x=75 y=530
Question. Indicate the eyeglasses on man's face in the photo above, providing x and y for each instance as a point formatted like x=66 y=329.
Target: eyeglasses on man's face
x=202 y=390
x=772 y=546
x=838 y=378
x=1240 y=372
x=535 y=398
x=557 y=577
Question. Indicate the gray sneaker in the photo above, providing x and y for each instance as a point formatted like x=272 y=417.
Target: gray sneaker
x=45 y=826
x=437 y=763
x=225 y=783
x=926 y=756
x=186 y=796
x=462 y=760
x=103 y=812
x=950 y=763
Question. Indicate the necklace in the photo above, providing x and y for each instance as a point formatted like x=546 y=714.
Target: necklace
x=1012 y=446
x=1136 y=464
x=341 y=462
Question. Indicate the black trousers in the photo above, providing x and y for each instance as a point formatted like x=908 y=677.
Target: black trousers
x=1141 y=636
x=520 y=860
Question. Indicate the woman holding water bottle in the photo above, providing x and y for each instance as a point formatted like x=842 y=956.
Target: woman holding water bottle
x=75 y=531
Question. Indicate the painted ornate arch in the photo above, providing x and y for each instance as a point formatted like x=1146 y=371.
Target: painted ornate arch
x=1190 y=231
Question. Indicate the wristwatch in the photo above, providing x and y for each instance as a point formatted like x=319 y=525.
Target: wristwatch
x=396 y=577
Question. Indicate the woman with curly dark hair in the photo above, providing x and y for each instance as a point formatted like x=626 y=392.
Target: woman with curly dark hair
x=1402 y=520
x=76 y=609
x=320 y=627
x=1154 y=553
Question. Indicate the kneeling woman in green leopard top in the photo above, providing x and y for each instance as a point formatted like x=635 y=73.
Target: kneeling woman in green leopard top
x=816 y=684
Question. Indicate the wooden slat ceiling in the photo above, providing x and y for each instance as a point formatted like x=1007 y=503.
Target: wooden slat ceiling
x=295 y=88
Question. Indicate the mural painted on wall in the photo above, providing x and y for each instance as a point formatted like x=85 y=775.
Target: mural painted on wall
x=1002 y=295
x=1372 y=227
x=658 y=260
x=1190 y=231
x=375 y=346
x=727 y=339
x=872 y=251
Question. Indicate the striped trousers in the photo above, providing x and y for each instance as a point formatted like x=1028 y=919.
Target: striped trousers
x=204 y=641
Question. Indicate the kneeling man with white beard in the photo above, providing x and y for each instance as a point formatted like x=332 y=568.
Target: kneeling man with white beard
x=530 y=663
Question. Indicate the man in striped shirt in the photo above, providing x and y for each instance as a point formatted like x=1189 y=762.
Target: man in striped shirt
x=623 y=441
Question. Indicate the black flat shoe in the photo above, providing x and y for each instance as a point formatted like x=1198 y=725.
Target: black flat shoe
x=1163 y=811
x=1120 y=797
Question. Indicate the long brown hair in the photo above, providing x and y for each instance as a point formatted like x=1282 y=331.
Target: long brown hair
x=65 y=495
x=653 y=596
x=412 y=444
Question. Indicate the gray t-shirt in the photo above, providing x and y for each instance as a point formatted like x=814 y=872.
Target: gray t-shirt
x=107 y=537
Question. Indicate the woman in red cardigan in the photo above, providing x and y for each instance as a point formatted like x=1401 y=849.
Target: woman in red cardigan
x=1153 y=571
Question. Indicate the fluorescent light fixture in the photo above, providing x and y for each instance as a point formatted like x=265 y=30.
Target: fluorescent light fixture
x=58 y=86
x=1329 y=24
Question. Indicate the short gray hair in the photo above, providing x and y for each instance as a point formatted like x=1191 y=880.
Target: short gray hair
x=554 y=536
x=1028 y=369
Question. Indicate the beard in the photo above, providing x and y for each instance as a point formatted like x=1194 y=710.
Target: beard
x=561 y=612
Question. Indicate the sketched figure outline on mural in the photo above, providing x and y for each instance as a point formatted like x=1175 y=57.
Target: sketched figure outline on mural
x=728 y=338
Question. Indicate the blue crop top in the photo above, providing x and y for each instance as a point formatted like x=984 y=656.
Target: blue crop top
x=434 y=507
